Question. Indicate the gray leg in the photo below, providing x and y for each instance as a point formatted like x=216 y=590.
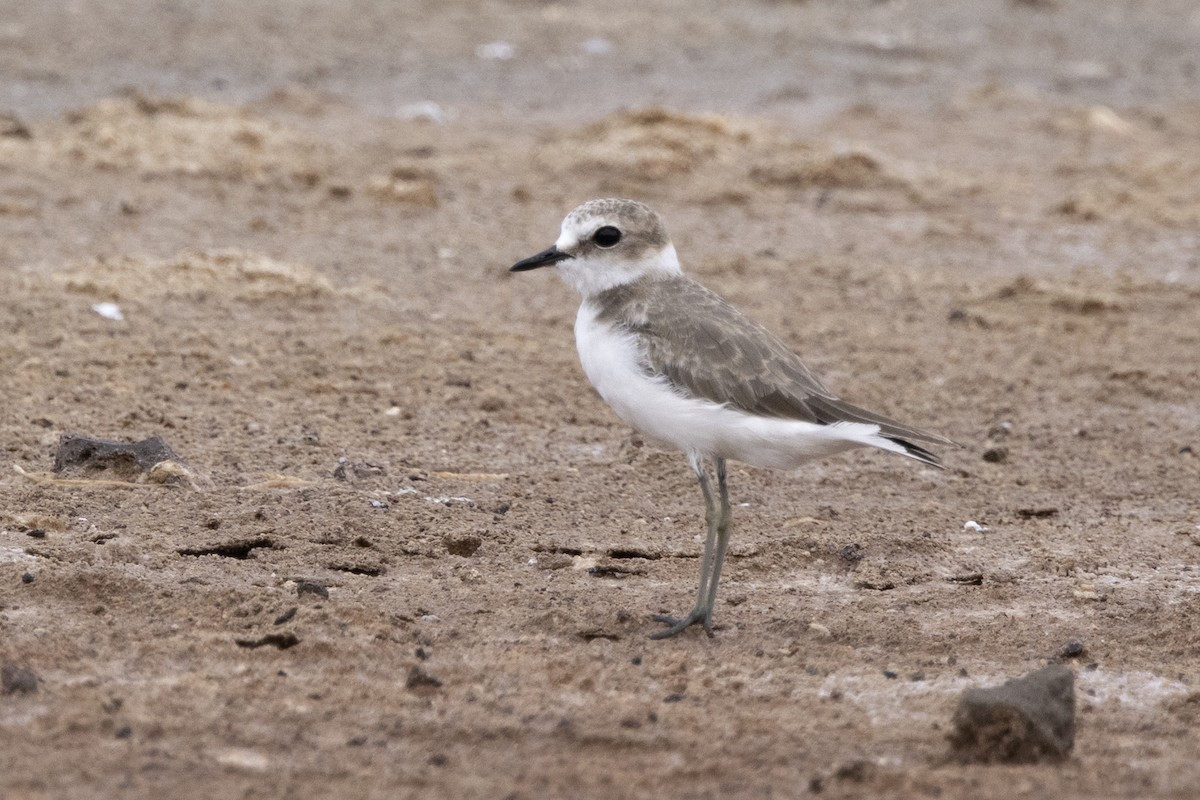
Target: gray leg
x=717 y=539
x=723 y=524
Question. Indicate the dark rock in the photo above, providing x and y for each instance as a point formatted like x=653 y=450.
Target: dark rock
x=283 y=641
x=1037 y=513
x=1025 y=721
x=1072 y=649
x=855 y=771
x=359 y=568
x=27 y=577
x=851 y=553
x=16 y=679
x=84 y=455
x=462 y=544
x=420 y=679
x=312 y=587
x=995 y=455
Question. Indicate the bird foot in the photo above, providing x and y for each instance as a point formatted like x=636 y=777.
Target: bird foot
x=677 y=625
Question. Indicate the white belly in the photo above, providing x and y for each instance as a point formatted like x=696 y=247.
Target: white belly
x=612 y=363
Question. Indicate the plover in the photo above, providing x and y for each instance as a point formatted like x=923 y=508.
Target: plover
x=683 y=366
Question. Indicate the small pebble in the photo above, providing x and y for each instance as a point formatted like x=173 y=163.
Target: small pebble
x=420 y=679
x=109 y=311
x=995 y=455
x=16 y=679
x=1072 y=649
x=312 y=587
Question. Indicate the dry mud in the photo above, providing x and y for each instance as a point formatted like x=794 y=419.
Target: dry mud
x=416 y=556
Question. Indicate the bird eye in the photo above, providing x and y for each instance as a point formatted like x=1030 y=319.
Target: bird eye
x=606 y=236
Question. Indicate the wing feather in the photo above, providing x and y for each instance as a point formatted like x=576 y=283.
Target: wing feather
x=709 y=349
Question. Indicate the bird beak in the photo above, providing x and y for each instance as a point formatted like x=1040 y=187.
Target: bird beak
x=547 y=258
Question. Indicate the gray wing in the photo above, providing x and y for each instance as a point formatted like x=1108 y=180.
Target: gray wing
x=709 y=349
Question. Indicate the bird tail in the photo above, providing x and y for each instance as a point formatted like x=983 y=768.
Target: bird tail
x=915 y=451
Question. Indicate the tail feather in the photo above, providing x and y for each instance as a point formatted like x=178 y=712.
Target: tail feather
x=916 y=451
x=829 y=410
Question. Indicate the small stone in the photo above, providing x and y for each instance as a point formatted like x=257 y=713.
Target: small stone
x=1026 y=720
x=462 y=544
x=419 y=679
x=16 y=679
x=1000 y=430
x=283 y=641
x=27 y=577
x=851 y=553
x=1072 y=649
x=88 y=456
x=855 y=771
x=1037 y=513
x=312 y=587
x=995 y=455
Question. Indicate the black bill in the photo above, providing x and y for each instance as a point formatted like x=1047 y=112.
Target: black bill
x=547 y=258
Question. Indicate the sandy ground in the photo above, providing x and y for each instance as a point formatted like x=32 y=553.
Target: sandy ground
x=419 y=555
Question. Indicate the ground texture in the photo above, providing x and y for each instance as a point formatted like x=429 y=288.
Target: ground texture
x=415 y=555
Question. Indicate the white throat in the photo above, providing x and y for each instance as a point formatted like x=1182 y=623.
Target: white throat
x=591 y=276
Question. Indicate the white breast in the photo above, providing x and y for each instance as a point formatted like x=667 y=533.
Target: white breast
x=613 y=364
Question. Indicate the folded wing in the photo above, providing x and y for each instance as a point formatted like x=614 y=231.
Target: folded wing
x=709 y=349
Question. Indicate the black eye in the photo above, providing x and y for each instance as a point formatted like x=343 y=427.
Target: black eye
x=606 y=236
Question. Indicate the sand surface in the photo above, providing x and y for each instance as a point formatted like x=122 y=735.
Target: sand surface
x=416 y=555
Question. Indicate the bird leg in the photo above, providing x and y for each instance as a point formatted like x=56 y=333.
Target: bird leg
x=717 y=539
x=723 y=524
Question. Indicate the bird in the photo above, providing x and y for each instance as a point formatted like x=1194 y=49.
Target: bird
x=683 y=366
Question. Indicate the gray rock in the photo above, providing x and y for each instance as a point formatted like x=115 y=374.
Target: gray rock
x=17 y=679
x=1025 y=721
x=85 y=455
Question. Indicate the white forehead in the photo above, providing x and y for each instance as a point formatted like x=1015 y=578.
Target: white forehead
x=570 y=234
